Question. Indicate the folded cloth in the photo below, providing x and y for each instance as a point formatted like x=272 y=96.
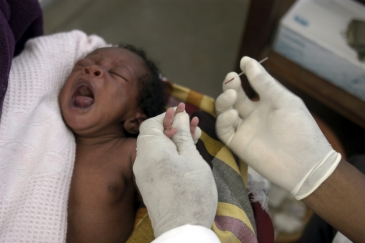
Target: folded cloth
x=238 y=217
x=37 y=150
x=19 y=21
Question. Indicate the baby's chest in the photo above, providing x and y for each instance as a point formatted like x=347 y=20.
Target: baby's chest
x=100 y=181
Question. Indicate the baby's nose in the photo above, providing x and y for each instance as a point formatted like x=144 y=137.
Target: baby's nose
x=94 y=71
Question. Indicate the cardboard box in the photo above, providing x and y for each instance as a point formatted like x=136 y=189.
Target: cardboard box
x=319 y=35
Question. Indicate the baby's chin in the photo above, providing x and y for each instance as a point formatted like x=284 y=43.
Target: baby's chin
x=77 y=126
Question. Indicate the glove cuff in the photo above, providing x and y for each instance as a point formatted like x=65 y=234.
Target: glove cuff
x=188 y=233
x=317 y=175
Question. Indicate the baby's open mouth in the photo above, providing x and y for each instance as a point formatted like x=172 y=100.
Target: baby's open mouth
x=83 y=97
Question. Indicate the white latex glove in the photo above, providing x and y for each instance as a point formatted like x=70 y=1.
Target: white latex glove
x=276 y=136
x=188 y=233
x=176 y=184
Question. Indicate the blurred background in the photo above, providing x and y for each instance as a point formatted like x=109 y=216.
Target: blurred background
x=194 y=42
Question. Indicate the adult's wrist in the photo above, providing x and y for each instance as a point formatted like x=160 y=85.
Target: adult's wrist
x=317 y=175
x=339 y=200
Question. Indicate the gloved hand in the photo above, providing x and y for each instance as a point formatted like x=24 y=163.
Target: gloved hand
x=276 y=136
x=176 y=184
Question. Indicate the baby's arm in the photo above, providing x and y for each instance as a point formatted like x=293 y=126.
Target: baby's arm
x=169 y=118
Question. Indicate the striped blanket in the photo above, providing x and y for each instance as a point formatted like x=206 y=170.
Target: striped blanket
x=238 y=219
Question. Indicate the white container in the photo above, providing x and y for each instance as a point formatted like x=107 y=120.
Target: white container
x=313 y=34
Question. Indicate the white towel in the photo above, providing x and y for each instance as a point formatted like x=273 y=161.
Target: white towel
x=37 y=150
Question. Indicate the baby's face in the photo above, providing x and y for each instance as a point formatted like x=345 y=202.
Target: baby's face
x=101 y=91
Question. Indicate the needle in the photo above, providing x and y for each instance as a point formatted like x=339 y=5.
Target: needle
x=242 y=72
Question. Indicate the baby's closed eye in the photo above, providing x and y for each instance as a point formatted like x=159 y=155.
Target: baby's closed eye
x=117 y=74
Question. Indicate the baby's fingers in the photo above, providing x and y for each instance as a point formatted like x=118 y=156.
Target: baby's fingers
x=167 y=121
x=170 y=114
x=180 y=108
x=193 y=125
x=169 y=118
x=194 y=129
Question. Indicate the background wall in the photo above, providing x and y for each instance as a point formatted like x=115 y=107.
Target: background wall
x=195 y=42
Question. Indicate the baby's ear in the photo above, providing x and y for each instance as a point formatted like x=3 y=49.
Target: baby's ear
x=132 y=124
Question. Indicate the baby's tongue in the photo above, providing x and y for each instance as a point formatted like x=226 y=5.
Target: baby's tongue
x=83 y=101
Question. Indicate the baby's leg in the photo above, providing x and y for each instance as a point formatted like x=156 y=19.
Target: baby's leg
x=169 y=118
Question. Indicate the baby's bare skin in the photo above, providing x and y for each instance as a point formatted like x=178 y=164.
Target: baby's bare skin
x=103 y=193
x=102 y=197
x=99 y=104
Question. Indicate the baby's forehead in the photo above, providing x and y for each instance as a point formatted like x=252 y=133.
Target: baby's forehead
x=118 y=55
x=115 y=53
x=102 y=51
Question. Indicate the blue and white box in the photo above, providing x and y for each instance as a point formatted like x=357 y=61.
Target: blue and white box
x=313 y=34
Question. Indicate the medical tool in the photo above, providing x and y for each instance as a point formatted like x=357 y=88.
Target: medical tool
x=242 y=72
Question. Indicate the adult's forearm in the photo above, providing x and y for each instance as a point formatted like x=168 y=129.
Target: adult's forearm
x=340 y=201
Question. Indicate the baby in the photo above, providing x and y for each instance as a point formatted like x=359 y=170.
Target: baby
x=103 y=101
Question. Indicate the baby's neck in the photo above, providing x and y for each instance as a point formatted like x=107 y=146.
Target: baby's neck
x=92 y=142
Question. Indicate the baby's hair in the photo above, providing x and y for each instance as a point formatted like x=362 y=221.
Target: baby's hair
x=151 y=92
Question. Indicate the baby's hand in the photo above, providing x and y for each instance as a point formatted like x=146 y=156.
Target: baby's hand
x=169 y=118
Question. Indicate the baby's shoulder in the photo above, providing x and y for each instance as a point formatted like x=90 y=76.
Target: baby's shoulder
x=127 y=144
x=126 y=149
x=126 y=155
